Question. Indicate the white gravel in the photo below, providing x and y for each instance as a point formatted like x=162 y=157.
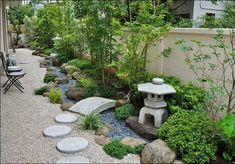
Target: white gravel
x=24 y=116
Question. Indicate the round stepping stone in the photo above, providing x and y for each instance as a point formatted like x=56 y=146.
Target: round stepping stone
x=72 y=145
x=66 y=118
x=76 y=159
x=56 y=131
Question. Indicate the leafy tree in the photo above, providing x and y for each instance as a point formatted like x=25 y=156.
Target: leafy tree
x=138 y=36
x=41 y=28
x=101 y=27
x=16 y=15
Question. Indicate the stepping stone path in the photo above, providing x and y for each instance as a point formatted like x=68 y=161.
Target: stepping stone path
x=92 y=104
x=66 y=118
x=76 y=159
x=56 y=131
x=72 y=145
x=76 y=144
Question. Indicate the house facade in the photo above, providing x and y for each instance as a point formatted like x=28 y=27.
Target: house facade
x=195 y=9
x=4 y=39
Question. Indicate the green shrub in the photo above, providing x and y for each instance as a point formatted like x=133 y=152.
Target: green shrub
x=226 y=142
x=47 y=51
x=123 y=112
x=171 y=80
x=91 y=90
x=118 y=150
x=86 y=82
x=191 y=134
x=189 y=97
x=55 y=96
x=64 y=57
x=41 y=90
x=48 y=78
x=92 y=121
x=80 y=63
x=107 y=91
x=94 y=73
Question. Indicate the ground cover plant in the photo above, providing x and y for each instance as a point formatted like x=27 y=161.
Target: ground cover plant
x=80 y=63
x=48 y=78
x=92 y=121
x=118 y=150
x=40 y=91
x=55 y=95
x=125 y=111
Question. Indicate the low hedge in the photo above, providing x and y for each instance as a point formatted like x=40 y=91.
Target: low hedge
x=191 y=134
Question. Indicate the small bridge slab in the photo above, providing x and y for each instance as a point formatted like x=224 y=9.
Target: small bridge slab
x=92 y=104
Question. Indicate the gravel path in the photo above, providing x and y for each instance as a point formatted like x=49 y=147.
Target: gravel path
x=24 y=116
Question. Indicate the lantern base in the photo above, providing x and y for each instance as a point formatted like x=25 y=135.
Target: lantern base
x=160 y=115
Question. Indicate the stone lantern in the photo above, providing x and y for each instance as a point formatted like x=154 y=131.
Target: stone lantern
x=154 y=103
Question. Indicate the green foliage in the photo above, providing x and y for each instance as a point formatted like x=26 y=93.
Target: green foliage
x=48 y=78
x=55 y=96
x=41 y=90
x=70 y=39
x=63 y=57
x=41 y=28
x=101 y=27
x=210 y=22
x=191 y=134
x=171 y=80
x=86 y=82
x=184 y=23
x=226 y=142
x=118 y=150
x=80 y=63
x=228 y=19
x=219 y=95
x=92 y=121
x=94 y=73
x=107 y=91
x=91 y=91
x=138 y=36
x=16 y=16
x=189 y=97
x=119 y=84
x=123 y=112
x=47 y=51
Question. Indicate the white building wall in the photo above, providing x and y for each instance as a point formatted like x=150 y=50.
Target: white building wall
x=203 y=7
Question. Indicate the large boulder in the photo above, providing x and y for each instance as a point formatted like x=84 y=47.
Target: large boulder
x=146 y=130
x=56 y=62
x=76 y=93
x=121 y=102
x=66 y=106
x=44 y=64
x=51 y=69
x=104 y=130
x=70 y=69
x=157 y=152
x=61 y=80
x=102 y=140
x=178 y=162
x=76 y=74
x=133 y=142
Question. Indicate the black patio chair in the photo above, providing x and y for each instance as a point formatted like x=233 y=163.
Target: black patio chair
x=13 y=75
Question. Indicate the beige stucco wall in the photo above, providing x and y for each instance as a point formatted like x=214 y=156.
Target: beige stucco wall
x=175 y=64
